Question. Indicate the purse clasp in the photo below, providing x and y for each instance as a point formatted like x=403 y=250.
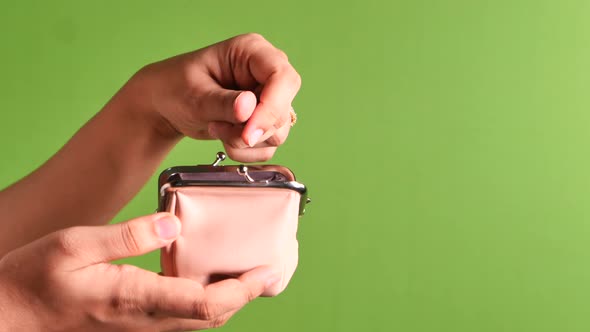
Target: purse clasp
x=219 y=157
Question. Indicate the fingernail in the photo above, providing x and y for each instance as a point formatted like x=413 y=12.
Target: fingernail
x=255 y=137
x=167 y=227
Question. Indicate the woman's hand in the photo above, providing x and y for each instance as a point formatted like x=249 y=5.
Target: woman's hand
x=239 y=91
x=64 y=282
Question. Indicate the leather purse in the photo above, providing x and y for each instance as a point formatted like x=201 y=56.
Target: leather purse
x=234 y=218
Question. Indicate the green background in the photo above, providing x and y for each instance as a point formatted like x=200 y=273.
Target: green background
x=445 y=145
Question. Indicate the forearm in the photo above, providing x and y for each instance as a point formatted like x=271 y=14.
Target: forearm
x=206 y=94
x=92 y=177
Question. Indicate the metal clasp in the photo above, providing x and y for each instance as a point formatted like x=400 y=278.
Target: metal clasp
x=243 y=171
x=219 y=157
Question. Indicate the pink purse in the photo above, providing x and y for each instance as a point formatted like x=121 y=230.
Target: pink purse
x=234 y=218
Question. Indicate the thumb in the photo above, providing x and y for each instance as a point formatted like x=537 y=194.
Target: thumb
x=226 y=105
x=135 y=237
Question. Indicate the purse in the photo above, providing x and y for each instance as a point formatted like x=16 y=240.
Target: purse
x=234 y=218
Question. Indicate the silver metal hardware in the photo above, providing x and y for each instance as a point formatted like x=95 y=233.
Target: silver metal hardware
x=163 y=189
x=243 y=171
x=219 y=157
x=216 y=175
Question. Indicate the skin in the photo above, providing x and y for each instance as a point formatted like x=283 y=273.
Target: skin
x=238 y=91
x=64 y=282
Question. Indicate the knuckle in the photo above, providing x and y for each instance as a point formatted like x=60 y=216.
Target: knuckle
x=252 y=36
x=218 y=322
x=249 y=295
x=147 y=70
x=116 y=300
x=203 y=310
x=129 y=239
x=283 y=55
x=292 y=77
x=119 y=303
x=66 y=242
x=297 y=80
x=120 y=298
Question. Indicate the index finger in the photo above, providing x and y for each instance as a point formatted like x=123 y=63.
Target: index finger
x=280 y=82
x=231 y=294
x=184 y=298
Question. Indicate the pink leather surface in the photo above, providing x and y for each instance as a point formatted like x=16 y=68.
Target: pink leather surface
x=230 y=230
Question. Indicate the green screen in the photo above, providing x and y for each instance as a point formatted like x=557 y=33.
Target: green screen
x=444 y=144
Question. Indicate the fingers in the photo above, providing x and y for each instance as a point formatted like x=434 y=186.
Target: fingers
x=183 y=298
x=254 y=66
x=237 y=150
x=229 y=106
x=235 y=293
x=230 y=135
x=251 y=155
x=91 y=245
x=280 y=84
x=179 y=324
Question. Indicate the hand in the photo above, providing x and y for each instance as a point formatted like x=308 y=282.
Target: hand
x=63 y=282
x=239 y=90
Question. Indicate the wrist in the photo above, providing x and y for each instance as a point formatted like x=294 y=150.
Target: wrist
x=138 y=101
